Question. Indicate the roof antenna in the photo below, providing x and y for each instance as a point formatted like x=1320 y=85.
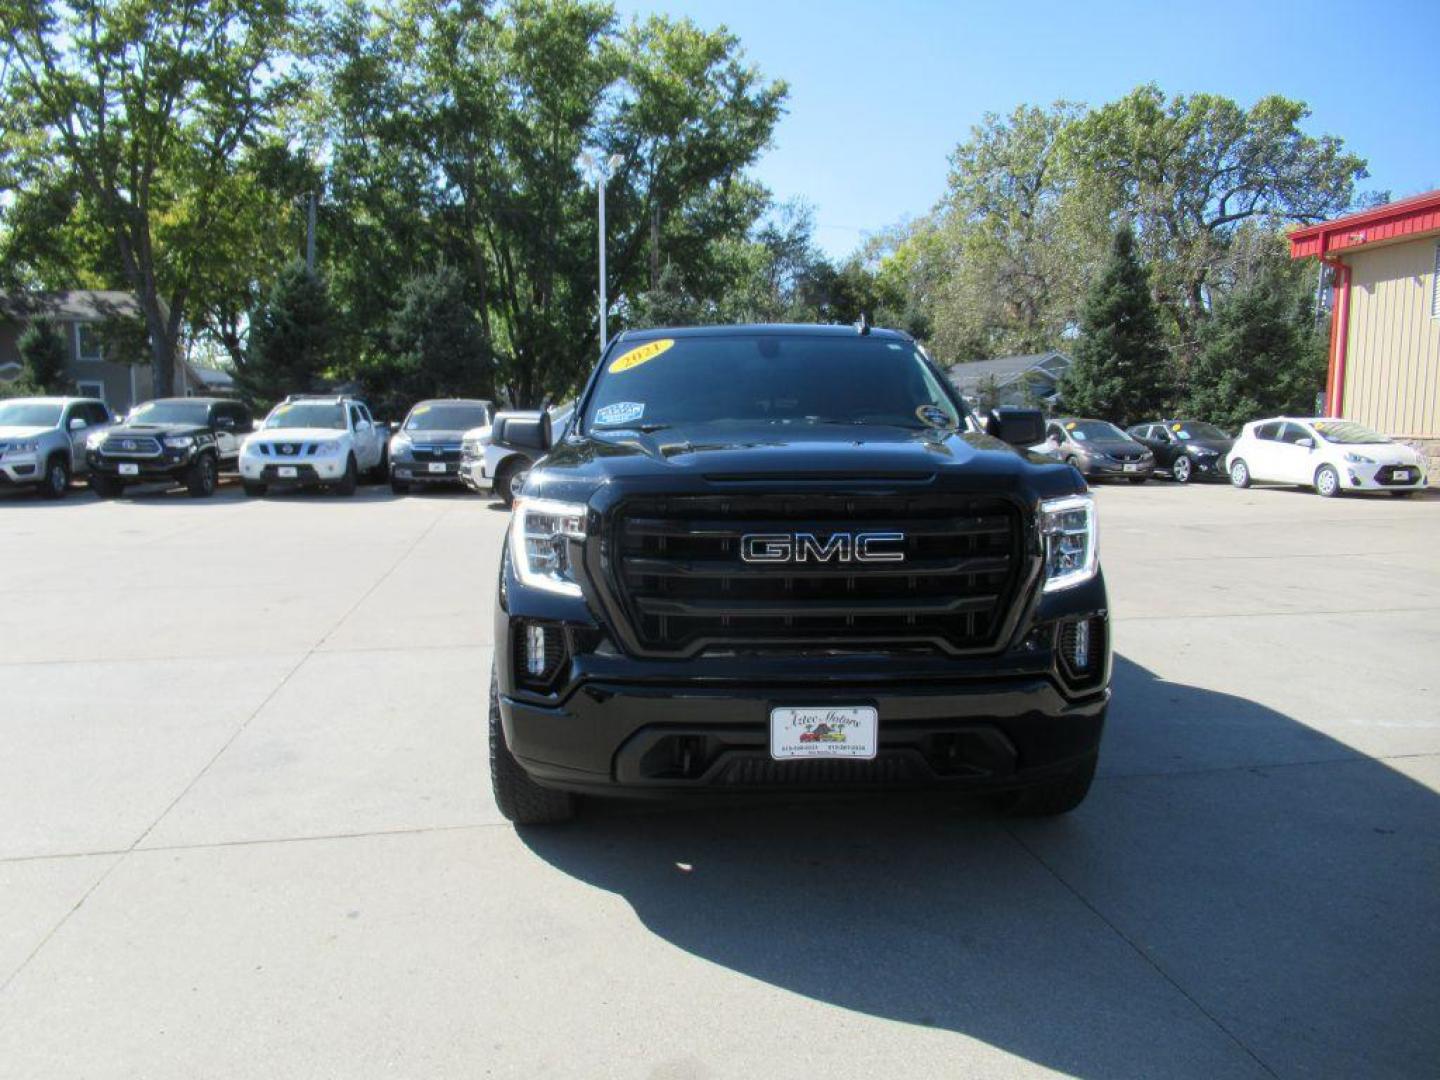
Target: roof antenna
x=862 y=327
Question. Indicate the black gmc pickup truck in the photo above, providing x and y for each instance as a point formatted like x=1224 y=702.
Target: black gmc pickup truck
x=782 y=558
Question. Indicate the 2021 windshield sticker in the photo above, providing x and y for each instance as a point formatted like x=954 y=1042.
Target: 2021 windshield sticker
x=621 y=412
x=641 y=354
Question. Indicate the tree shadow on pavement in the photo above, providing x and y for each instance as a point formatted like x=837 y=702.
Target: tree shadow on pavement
x=1239 y=895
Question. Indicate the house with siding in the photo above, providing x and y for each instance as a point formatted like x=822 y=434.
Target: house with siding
x=80 y=315
x=1029 y=380
x=1384 y=265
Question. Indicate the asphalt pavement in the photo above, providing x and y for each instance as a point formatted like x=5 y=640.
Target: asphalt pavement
x=246 y=827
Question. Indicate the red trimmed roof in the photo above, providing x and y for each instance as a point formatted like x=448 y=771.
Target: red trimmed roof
x=1408 y=217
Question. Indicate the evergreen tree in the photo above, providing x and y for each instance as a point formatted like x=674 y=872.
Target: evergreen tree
x=437 y=346
x=42 y=355
x=1260 y=353
x=290 y=337
x=1122 y=371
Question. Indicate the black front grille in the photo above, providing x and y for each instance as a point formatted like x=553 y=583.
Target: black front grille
x=683 y=585
x=1386 y=474
x=435 y=453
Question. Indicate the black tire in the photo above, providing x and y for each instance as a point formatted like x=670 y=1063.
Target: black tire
x=1053 y=797
x=56 y=481
x=519 y=798
x=346 y=484
x=1074 y=463
x=1327 y=482
x=399 y=487
x=105 y=487
x=510 y=479
x=1239 y=473
x=253 y=488
x=201 y=477
x=1183 y=469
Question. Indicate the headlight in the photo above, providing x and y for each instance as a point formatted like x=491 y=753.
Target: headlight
x=1068 y=529
x=540 y=531
x=470 y=448
x=92 y=442
x=400 y=443
x=332 y=447
x=1359 y=459
x=1202 y=452
x=179 y=442
x=25 y=447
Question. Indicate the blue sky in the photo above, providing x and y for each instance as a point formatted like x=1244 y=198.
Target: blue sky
x=881 y=92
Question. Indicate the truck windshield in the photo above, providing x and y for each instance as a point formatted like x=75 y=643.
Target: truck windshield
x=29 y=414
x=170 y=412
x=448 y=417
x=303 y=414
x=769 y=378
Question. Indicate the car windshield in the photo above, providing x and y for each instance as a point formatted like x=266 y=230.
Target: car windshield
x=170 y=412
x=448 y=417
x=1342 y=431
x=29 y=414
x=1190 y=429
x=1083 y=430
x=769 y=378
x=307 y=414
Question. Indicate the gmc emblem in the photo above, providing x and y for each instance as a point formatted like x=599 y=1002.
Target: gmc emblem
x=841 y=546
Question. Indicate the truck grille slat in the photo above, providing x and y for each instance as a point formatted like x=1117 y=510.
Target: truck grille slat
x=676 y=571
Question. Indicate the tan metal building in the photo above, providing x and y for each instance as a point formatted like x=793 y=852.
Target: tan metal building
x=1385 y=315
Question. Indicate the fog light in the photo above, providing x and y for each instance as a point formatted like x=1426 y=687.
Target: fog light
x=535 y=650
x=1080 y=654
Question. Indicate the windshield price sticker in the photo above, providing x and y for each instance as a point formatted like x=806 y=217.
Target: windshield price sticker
x=641 y=354
x=621 y=412
x=935 y=416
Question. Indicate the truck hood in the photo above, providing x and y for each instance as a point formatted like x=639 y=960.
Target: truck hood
x=13 y=432
x=1220 y=446
x=154 y=431
x=732 y=451
x=296 y=434
x=434 y=438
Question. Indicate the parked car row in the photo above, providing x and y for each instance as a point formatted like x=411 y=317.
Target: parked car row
x=1330 y=456
x=326 y=441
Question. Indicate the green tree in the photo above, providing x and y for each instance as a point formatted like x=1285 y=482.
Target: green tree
x=437 y=348
x=1122 y=371
x=1261 y=354
x=139 y=113
x=42 y=357
x=291 y=337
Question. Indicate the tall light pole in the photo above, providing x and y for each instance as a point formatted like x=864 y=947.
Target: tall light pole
x=601 y=171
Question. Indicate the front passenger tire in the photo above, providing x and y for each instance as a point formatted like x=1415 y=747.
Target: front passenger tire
x=201 y=477
x=519 y=798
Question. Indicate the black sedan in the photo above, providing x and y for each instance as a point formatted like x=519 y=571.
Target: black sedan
x=1185 y=449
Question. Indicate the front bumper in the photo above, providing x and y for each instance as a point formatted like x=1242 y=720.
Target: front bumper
x=308 y=469
x=474 y=476
x=169 y=465
x=1128 y=469
x=623 y=725
x=1361 y=477
x=420 y=472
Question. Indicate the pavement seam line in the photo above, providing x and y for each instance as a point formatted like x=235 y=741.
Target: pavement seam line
x=1141 y=953
x=239 y=730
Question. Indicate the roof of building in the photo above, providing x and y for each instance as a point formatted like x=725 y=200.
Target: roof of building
x=213 y=377
x=1398 y=220
x=1002 y=368
x=77 y=304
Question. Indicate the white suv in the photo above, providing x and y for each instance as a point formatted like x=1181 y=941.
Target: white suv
x=1332 y=456
x=313 y=440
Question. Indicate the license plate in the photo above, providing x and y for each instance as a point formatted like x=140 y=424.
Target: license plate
x=436 y=466
x=823 y=731
x=1132 y=468
x=288 y=472
x=1403 y=475
x=129 y=470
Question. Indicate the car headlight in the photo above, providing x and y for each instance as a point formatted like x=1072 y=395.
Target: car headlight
x=1203 y=452
x=332 y=447
x=1358 y=459
x=1068 y=529
x=540 y=531
x=180 y=442
x=92 y=442
x=470 y=448
x=25 y=447
x=400 y=444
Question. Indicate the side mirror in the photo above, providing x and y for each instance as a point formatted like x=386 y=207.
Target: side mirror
x=1018 y=427
x=1307 y=443
x=77 y=423
x=522 y=433
x=362 y=425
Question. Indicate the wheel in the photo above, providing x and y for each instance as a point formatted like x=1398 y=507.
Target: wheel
x=511 y=481
x=200 y=478
x=399 y=487
x=1053 y=797
x=1074 y=463
x=519 y=798
x=1239 y=473
x=57 y=478
x=1181 y=470
x=105 y=487
x=1327 y=482
x=253 y=488
x=346 y=484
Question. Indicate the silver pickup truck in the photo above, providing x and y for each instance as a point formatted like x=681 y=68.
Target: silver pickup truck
x=42 y=441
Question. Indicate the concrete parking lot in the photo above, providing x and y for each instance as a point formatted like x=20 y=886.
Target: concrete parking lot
x=246 y=831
